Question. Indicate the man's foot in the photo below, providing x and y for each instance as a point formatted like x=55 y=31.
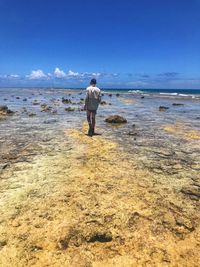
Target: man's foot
x=90 y=132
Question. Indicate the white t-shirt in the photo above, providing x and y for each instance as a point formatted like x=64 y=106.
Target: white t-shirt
x=93 y=97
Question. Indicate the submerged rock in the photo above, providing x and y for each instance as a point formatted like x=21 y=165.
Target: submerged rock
x=177 y=104
x=133 y=133
x=66 y=101
x=31 y=114
x=69 y=109
x=5 y=111
x=35 y=103
x=3 y=108
x=192 y=191
x=163 y=108
x=46 y=108
x=115 y=119
x=49 y=121
x=103 y=103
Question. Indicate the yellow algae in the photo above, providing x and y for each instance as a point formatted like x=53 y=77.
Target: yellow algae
x=128 y=101
x=182 y=130
x=93 y=206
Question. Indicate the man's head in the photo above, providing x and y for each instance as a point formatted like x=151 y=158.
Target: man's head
x=93 y=82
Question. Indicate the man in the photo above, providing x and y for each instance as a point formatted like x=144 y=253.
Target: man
x=92 y=100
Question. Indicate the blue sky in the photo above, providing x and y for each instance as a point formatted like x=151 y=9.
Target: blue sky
x=124 y=44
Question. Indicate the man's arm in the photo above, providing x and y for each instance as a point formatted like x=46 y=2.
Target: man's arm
x=86 y=100
x=99 y=97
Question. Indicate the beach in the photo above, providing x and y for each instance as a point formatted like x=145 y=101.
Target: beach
x=128 y=196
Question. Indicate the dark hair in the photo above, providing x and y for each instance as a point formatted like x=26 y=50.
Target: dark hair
x=93 y=81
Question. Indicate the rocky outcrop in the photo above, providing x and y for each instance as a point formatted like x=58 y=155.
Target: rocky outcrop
x=192 y=192
x=103 y=103
x=69 y=109
x=66 y=101
x=116 y=119
x=133 y=133
x=46 y=108
x=163 y=108
x=177 y=104
x=36 y=102
x=4 y=111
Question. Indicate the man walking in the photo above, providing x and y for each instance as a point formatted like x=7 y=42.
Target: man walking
x=92 y=100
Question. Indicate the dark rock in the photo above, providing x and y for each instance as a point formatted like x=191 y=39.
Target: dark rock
x=142 y=97
x=3 y=108
x=35 y=102
x=69 y=109
x=17 y=97
x=24 y=110
x=192 y=192
x=25 y=99
x=5 y=111
x=31 y=114
x=110 y=95
x=46 y=109
x=3 y=243
x=102 y=94
x=54 y=111
x=177 y=104
x=117 y=94
x=82 y=99
x=163 y=108
x=43 y=105
x=49 y=121
x=100 y=237
x=63 y=244
x=4 y=166
x=10 y=112
x=115 y=119
x=197 y=118
x=5 y=99
x=66 y=100
x=81 y=109
x=132 y=133
x=103 y=103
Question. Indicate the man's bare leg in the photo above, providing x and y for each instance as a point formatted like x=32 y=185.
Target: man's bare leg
x=89 y=119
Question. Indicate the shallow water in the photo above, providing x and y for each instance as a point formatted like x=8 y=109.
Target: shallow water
x=144 y=172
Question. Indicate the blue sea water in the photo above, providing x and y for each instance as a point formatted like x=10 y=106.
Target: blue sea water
x=158 y=91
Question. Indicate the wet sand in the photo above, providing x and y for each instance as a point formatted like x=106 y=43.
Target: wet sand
x=127 y=197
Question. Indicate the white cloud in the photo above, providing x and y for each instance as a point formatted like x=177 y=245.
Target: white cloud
x=59 y=73
x=36 y=75
x=14 y=76
x=9 y=76
x=72 y=73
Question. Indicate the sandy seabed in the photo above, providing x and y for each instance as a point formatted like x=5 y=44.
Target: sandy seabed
x=89 y=204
